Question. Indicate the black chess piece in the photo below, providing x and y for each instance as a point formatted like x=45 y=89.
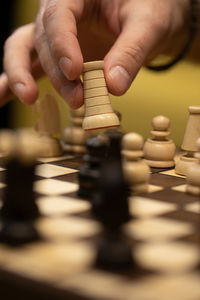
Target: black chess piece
x=112 y=196
x=110 y=206
x=90 y=171
x=19 y=209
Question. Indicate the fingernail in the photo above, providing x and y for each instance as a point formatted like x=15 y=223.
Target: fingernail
x=19 y=89
x=65 y=64
x=120 y=77
x=68 y=92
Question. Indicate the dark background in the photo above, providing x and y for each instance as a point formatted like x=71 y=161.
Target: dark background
x=6 y=27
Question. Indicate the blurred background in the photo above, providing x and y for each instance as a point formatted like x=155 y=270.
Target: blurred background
x=168 y=93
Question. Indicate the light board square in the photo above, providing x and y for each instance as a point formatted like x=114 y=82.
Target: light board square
x=146 y=207
x=48 y=170
x=67 y=228
x=174 y=257
x=60 y=206
x=48 y=261
x=176 y=287
x=154 y=188
x=96 y=284
x=171 y=173
x=2 y=185
x=51 y=159
x=158 y=229
x=180 y=188
x=193 y=207
x=54 y=187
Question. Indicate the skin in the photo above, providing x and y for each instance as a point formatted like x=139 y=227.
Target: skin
x=125 y=33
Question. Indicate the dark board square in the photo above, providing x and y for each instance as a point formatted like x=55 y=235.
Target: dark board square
x=169 y=195
x=72 y=177
x=185 y=216
x=166 y=180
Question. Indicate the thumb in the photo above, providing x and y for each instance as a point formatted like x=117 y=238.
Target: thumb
x=128 y=54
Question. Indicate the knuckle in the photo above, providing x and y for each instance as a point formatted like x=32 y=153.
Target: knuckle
x=56 y=43
x=7 y=43
x=159 y=24
x=10 y=40
x=134 y=54
x=39 y=38
x=49 y=12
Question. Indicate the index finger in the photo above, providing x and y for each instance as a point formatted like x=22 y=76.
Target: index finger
x=59 y=22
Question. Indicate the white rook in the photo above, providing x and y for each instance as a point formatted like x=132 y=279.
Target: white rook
x=98 y=109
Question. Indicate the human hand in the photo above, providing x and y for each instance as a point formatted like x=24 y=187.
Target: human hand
x=125 y=33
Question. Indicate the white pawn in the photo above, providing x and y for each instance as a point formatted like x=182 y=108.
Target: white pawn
x=136 y=171
x=193 y=174
x=47 y=125
x=74 y=136
x=159 y=151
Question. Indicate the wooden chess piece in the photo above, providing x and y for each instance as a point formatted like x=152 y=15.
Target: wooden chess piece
x=192 y=133
x=89 y=172
x=48 y=125
x=136 y=170
x=19 y=209
x=98 y=109
x=104 y=135
x=193 y=174
x=74 y=136
x=159 y=152
x=110 y=206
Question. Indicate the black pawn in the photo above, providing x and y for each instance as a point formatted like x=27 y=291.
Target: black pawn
x=110 y=206
x=19 y=209
x=90 y=171
x=110 y=202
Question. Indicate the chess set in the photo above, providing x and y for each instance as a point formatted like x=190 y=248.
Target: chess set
x=144 y=245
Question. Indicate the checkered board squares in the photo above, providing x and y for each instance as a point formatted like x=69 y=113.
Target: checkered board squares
x=162 y=231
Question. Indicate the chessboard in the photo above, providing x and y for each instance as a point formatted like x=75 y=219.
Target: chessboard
x=164 y=232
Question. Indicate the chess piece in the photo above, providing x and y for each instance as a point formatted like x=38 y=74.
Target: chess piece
x=192 y=133
x=19 y=208
x=48 y=125
x=104 y=135
x=110 y=206
x=136 y=170
x=159 y=152
x=90 y=171
x=193 y=174
x=98 y=109
x=112 y=172
x=74 y=136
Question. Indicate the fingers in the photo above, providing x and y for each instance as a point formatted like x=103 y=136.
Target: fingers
x=71 y=91
x=59 y=22
x=58 y=48
x=6 y=93
x=18 y=65
x=140 y=34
